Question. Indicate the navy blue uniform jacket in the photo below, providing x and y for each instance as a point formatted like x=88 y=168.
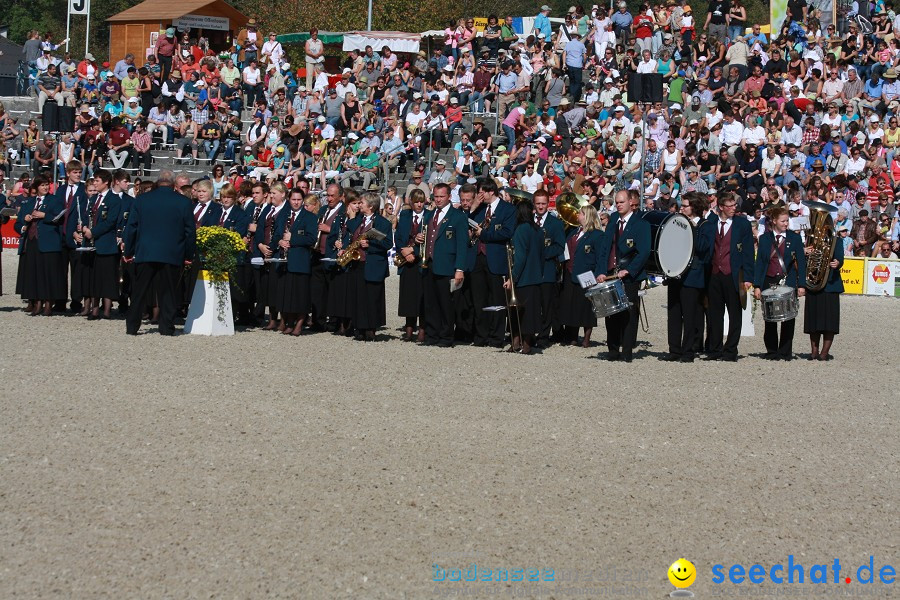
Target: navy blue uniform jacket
x=106 y=224
x=528 y=255
x=49 y=235
x=451 y=245
x=161 y=228
x=497 y=234
x=587 y=255
x=742 y=245
x=794 y=259
x=633 y=248
x=376 y=265
x=554 y=246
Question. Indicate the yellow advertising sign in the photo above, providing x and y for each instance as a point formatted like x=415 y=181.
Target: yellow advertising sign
x=853 y=274
x=480 y=24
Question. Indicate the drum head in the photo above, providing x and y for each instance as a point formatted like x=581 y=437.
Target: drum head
x=675 y=245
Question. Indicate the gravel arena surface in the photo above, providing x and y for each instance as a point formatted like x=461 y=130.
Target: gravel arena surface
x=264 y=466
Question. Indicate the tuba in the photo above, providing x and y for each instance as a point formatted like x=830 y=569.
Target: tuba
x=568 y=205
x=822 y=239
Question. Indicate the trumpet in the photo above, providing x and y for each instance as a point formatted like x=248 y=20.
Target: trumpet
x=423 y=244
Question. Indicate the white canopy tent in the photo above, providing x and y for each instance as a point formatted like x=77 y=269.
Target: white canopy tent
x=397 y=41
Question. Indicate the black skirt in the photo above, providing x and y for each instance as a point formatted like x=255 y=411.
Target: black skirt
x=106 y=276
x=575 y=310
x=44 y=277
x=26 y=278
x=529 y=298
x=294 y=296
x=822 y=313
x=410 y=304
x=338 y=294
x=240 y=282
x=368 y=309
x=20 y=270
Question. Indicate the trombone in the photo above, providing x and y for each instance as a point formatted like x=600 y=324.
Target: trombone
x=512 y=302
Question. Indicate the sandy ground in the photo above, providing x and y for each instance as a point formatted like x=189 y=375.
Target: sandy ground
x=265 y=466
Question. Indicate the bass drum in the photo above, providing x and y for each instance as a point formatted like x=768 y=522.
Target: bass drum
x=671 y=243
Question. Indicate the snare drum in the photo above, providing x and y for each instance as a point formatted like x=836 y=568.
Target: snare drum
x=608 y=298
x=671 y=243
x=779 y=304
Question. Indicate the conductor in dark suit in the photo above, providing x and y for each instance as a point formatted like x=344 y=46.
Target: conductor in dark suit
x=731 y=275
x=624 y=251
x=160 y=237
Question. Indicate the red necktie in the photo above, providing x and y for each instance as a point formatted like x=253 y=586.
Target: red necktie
x=614 y=251
x=197 y=212
x=721 y=228
x=222 y=218
x=432 y=235
x=68 y=208
x=572 y=243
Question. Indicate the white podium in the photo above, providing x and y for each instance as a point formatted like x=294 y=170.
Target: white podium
x=203 y=315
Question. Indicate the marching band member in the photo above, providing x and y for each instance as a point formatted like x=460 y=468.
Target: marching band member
x=822 y=314
x=73 y=195
x=526 y=276
x=554 y=244
x=463 y=302
x=732 y=261
x=83 y=264
x=407 y=242
x=274 y=229
x=43 y=279
x=330 y=218
x=446 y=250
x=340 y=307
x=294 y=287
x=624 y=252
x=234 y=218
x=685 y=295
x=780 y=257
x=365 y=277
x=104 y=208
x=497 y=222
x=582 y=255
x=250 y=276
x=121 y=181
x=161 y=238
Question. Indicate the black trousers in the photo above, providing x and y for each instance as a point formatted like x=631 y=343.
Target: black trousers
x=621 y=328
x=127 y=270
x=319 y=293
x=439 y=308
x=783 y=346
x=487 y=290
x=161 y=278
x=465 y=311
x=685 y=317
x=550 y=311
x=723 y=295
x=165 y=64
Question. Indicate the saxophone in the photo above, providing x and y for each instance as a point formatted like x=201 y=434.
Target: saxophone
x=822 y=239
x=352 y=252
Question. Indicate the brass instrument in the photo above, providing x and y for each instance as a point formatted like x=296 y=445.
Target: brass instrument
x=822 y=238
x=512 y=302
x=352 y=252
x=568 y=205
x=516 y=195
x=86 y=244
x=402 y=261
x=423 y=245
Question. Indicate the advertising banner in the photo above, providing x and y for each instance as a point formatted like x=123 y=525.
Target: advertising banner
x=853 y=274
x=881 y=277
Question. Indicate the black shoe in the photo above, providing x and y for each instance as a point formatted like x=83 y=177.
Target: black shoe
x=497 y=345
x=713 y=356
x=613 y=357
x=75 y=307
x=787 y=358
x=131 y=332
x=771 y=356
x=670 y=357
x=627 y=359
x=686 y=358
x=445 y=344
x=729 y=357
x=479 y=344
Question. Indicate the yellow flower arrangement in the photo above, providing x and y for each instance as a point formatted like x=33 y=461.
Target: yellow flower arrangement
x=218 y=249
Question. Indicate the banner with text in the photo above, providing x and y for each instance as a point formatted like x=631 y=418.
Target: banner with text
x=201 y=22
x=853 y=274
x=881 y=277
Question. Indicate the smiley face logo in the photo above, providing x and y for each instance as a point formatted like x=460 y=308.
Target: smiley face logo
x=682 y=573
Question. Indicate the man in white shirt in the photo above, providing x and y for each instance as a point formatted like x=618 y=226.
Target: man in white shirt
x=753 y=135
x=731 y=134
x=647 y=64
x=791 y=133
x=345 y=86
x=531 y=180
x=440 y=174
